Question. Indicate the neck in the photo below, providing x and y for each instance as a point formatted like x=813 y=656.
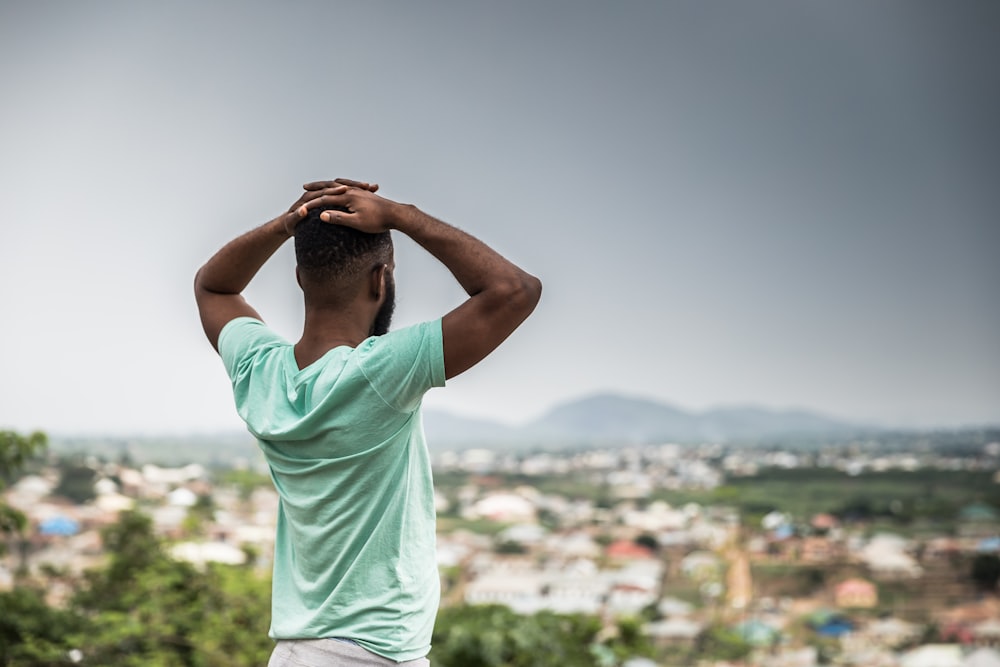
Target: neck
x=325 y=329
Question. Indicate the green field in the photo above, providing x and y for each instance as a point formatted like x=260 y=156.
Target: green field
x=923 y=500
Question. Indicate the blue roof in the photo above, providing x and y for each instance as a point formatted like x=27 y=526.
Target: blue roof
x=835 y=628
x=59 y=525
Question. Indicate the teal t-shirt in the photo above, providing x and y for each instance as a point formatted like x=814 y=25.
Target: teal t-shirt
x=355 y=551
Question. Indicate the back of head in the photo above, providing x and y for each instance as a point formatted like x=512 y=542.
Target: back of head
x=332 y=256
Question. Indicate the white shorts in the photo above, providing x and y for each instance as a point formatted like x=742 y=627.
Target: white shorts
x=331 y=653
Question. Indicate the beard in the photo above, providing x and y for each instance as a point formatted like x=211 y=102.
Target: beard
x=383 y=318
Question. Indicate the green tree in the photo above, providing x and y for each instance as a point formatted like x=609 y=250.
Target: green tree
x=721 y=643
x=985 y=571
x=237 y=611
x=146 y=608
x=32 y=633
x=76 y=483
x=199 y=515
x=494 y=636
x=15 y=452
x=648 y=541
x=629 y=640
x=245 y=481
x=142 y=608
x=510 y=547
x=134 y=549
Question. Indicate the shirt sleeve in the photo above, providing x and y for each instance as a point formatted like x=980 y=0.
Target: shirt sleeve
x=240 y=341
x=402 y=365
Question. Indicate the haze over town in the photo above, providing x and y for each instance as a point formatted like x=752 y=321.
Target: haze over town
x=782 y=204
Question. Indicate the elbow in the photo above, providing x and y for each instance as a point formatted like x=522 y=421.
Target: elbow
x=206 y=283
x=199 y=282
x=522 y=295
x=533 y=288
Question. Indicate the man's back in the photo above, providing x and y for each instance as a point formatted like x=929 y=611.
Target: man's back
x=355 y=550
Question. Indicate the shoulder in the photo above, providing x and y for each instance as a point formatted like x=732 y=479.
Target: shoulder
x=246 y=328
x=243 y=338
x=417 y=336
x=403 y=364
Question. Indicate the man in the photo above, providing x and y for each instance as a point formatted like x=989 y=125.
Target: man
x=337 y=414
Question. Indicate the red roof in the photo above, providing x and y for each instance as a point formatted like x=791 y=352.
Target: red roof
x=628 y=549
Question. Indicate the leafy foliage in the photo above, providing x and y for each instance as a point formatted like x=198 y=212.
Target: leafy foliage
x=494 y=636
x=985 y=571
x=143 y=608
x=77 y=483
x=721 y=643
x=15 y=452
x=146 y=608
x=31 y=632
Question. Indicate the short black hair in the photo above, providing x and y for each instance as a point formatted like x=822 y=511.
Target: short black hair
x=330 y=252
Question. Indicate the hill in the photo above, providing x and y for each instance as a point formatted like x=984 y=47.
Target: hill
x=613 y=418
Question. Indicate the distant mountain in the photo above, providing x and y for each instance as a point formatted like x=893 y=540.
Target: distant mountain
x=756 y=423
x=613 y=418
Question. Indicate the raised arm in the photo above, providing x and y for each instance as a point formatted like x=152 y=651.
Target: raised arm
x=501 y=295
x=219 y=284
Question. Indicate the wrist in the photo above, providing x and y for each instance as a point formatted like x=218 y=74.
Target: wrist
x=405 y=217
x=284 y=225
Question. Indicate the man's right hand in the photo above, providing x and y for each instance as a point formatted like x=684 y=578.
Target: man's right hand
x=356 y=206
x=313 y=197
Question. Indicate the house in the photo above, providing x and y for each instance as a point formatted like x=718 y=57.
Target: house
x=659 y=516
x=701 y=566
x=891 y=632
x=818 y=550
x=578 y=588
x=503 y=507
x=855 y=594
x=527 y=534
x=886 y=557
x=933 y=655
x=824 y=523
x=202 y=553
x=674 y=631
x=634 y=587
x=577 y=544
x=521 y=591
x=987 y=633
x=628 y=550
x=671 y=606
x=984 y=657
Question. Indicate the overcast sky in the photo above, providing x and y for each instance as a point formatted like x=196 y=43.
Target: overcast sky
x=784 y=204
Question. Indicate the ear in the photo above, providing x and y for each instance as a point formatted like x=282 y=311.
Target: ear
x=378 y=281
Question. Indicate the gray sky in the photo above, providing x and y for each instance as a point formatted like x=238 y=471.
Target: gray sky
x=786 y=204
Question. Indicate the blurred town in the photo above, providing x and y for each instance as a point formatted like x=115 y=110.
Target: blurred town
x=848 y=554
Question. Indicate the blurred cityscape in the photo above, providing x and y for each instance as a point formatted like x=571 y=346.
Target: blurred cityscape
x=875 y=552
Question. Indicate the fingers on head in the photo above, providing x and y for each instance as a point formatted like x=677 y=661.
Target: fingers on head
x=319 y=185
x=336 y=198
x=371 y=187
x=322 y=185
